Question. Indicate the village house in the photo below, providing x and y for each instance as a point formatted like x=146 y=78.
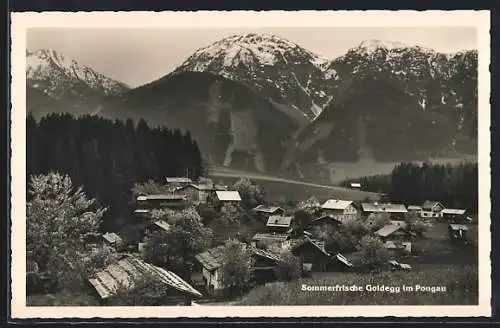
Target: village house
x=457 y=232
x=263 y=265
x=264 y=212
x=453 y=215
x=395 y=265
x=344 y=209
x=278 y=223
x=142 y=213
x=326 y=220
x=222 y=197
x=129 y=269
x=176 y=182
x=159 y=226
x=316 y=259
x=395 y=211
x=172 y=201
x=431 y=209
x=414 y=209
x=196 y=193
x=394 y=232
x=397 y=247
x=114 y=240
x=265 y=239
x=355 y=185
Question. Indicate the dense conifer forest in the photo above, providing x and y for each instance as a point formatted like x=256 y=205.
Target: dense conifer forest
x=410 y=183
x=107 y=157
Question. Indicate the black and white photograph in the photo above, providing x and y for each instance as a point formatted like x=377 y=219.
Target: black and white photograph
x=219 y=163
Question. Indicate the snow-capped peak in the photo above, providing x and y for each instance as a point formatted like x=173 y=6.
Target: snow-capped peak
x=275 y=66
x=54 y=68
x=370 y=46
x=265 y=49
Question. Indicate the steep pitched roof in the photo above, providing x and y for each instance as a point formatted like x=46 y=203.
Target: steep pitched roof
x=162 y=224
x=387 y=230
x=429 y=204
x=336 y=204
x=381 y=208
x=228 y=195
x=343 y=259
x=269 y=236
x=178 y=180
x=267 y=254
x=453 y=211
x=267 y=209
x=320 y=245
x=124 y=272
x=327 y=217
x=112 y=237
x=203 y=187
x=279 y=221
x=161 y=197
x=458 y=227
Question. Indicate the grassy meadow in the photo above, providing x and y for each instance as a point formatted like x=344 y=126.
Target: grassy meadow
x=461 y=284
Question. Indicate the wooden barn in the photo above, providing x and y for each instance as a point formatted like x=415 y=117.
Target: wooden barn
x=126 y=271
x=431 y=209
x=278 y=223
x=344 y=209
x=314 y=256
x=264 y=212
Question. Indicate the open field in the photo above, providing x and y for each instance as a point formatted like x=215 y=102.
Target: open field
x=283 y=189
x=460 y=284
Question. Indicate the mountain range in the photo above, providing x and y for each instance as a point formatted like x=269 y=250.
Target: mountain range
x=260 y=102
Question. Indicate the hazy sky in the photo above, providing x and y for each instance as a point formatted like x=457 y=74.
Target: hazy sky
x=137 y=56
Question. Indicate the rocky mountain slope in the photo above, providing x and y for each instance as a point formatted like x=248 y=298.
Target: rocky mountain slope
x=232 y=124
x=56 y=83
x=279 y=69
x=396 y=102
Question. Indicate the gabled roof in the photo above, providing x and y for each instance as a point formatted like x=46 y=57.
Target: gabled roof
x=458 y=227
x=197 y=187
x=162 y=224
x=320 y=245
x=126 y=270
x=429 y=204
x=387 y=230
x=384 y=208
x=178 y=180
x=344 y=260
x=336 y=204
x=228 y=195
x=267 y=254
x=212 y=258
x=331 y=218
x=279 y=221
x=267 y=209
x=453 y=211
x=162 y=197
x=270 y=236
x=112 y=237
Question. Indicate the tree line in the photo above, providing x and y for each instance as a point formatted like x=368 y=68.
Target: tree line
x=412 y=183
x=107 y=157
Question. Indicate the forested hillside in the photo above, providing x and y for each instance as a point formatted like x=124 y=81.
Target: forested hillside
x=108 y=157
